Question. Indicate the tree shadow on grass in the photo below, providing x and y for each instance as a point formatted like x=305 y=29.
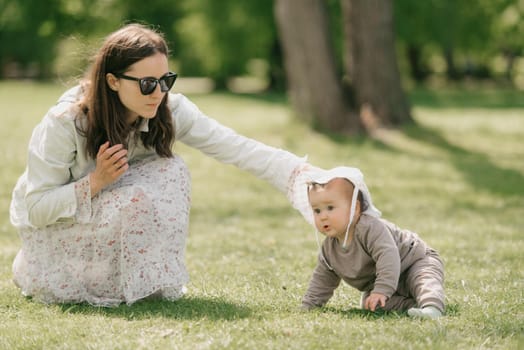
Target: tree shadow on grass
x=477 y=168
x=187 y=308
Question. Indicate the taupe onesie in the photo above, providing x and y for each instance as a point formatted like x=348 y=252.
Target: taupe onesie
x=380 y=258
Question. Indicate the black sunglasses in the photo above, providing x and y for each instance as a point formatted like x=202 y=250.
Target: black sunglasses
x=148 y=84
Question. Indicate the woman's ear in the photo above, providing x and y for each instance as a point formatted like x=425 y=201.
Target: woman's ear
x=112 y=81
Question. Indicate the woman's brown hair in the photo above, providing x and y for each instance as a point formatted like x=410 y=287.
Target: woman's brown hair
x=105 y=113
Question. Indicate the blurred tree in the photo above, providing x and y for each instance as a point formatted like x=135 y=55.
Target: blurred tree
x=218 y=38
x=463 y=32
x=508 y=31
x=208 y=38
x=372 y=62
x=162 y=14
x=315 y=84
x=29 y=33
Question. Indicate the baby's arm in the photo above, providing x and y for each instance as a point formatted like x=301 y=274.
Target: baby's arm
x=321 y=286
x=383 y=250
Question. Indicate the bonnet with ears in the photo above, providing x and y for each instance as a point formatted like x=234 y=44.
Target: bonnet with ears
x=299 y=193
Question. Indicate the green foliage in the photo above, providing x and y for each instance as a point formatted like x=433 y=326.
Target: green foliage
x=508 y=29
x=447 y=23
x=475 y=31
x=31 y=31
x=25 y=41
x=218 y=38
x=163 y=15
x=221 y=39
x=208 y=38
x=456 y=177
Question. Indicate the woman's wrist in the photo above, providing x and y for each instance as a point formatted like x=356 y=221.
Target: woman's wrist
x=95 y=186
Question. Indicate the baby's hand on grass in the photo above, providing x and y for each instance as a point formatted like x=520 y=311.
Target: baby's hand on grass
x=374 y=300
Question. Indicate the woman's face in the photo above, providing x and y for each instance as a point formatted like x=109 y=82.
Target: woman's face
x=137 y=104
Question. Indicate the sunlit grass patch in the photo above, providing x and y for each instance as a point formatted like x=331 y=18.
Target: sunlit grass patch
x=456 y=177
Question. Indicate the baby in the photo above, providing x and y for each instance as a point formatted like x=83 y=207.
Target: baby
x=392 y=267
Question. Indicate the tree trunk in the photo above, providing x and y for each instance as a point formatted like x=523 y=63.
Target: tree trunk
x=372 y=63
x=510 y=63
x=418 y=71
x=451 y=69
x=314 y=86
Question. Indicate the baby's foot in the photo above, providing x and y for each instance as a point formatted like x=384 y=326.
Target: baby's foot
x=428 y=312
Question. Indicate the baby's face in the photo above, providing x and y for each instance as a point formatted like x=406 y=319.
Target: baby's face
x=331 y=206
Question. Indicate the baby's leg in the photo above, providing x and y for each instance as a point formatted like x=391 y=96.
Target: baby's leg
x=397 y=302
x=425 y=280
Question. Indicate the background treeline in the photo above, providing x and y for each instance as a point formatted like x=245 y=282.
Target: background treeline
x=454 y=40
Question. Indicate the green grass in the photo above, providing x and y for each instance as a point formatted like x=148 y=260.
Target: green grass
x=457 y=178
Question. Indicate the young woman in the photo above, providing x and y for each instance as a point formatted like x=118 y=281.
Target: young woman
x=103 y=205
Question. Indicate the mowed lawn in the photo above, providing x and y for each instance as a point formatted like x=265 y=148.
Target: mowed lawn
x=456 y=178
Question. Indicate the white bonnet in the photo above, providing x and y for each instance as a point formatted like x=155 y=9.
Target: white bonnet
x=298 y=194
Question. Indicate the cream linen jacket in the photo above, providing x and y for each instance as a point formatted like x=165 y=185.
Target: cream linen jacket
x=45 y=193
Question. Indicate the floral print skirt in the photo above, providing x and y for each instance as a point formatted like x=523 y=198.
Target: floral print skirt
x=133 y=246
